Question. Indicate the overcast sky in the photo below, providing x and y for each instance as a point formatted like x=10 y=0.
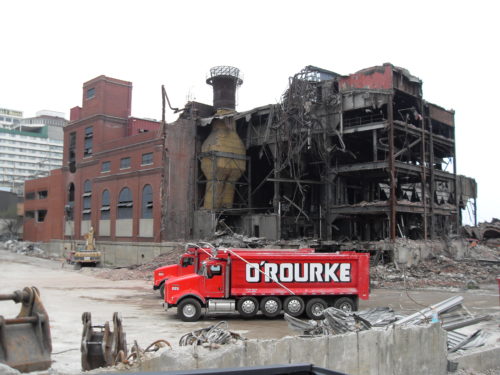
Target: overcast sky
x=49 y=48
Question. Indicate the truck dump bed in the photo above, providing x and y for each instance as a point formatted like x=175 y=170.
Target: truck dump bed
x=300 y=274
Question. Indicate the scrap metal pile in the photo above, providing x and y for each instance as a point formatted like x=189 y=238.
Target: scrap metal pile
x=213 y=336
x=450 y=313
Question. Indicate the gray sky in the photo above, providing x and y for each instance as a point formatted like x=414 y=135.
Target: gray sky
x=49 y=48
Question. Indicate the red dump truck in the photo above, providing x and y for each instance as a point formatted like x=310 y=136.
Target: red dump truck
x=191 y=260
x=271 y=282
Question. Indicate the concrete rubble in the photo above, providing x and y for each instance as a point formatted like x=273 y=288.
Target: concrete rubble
x=479 y=264
x=489 y=232
x=21 y=247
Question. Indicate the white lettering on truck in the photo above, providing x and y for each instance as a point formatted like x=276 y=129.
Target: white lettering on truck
x=298 y=272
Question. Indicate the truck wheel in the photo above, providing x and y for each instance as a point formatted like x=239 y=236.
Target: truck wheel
x=294 y=306
x=315 y=307
x=248 y=307
x=345 y=304
x=270 y=306
x=162 y=290
x=189 y=310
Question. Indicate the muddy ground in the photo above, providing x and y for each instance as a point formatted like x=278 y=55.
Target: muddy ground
x=67 y=293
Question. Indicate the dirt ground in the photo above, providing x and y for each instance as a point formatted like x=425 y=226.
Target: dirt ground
x=67 y=293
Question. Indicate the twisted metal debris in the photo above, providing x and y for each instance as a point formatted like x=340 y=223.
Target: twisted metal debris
x=218 y=334
x=338 y=321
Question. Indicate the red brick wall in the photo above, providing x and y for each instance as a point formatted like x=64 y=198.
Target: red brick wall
x=108 y=113
x=53 y=225
x=372 y=78
x=112 y=97
x=137 y=126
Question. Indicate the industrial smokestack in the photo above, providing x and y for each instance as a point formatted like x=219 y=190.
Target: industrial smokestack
x=225 y=80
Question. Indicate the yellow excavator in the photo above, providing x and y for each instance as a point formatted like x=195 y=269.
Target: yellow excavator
x=87 y=255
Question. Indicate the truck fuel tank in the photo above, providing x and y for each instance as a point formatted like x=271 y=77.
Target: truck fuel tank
x=221 y=305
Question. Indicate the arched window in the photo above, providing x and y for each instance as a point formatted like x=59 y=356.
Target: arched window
x=105 y=209
x=87 y=198
x=147 y=202
x=125 y=204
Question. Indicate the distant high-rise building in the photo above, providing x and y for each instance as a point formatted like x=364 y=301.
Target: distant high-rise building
x=29 y=147
x=10 y=118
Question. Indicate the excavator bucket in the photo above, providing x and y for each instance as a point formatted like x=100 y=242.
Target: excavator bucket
x=25 y=342
x=102 y=347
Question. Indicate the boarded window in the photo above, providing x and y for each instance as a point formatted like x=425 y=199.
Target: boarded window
x=147 y=202
x=29 y=196
x=29 y=214
x=105 y=205
x=125 y=204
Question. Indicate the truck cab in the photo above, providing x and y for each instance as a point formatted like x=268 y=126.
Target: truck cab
x=187 y=264
x=190 y=292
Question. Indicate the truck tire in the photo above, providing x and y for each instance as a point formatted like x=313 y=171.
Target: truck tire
x=345 y=304
x=270 y=306
x=162 y=290
x=315 y=307
x=294 y=306
x=189 y=310
x=248 y=307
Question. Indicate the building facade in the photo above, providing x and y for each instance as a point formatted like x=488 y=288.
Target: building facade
x=10 y=118
x=111 y=174
x=30 y=147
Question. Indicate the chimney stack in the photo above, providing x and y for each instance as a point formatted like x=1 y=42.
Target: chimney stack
x=225 y=80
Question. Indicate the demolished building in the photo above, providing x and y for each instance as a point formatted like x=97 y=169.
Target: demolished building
x=361 y=157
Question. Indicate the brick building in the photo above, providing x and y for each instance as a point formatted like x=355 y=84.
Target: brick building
x=361 y=157
x=111 y=174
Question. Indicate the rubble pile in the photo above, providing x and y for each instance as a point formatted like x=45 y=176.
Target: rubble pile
x=25 y=248
x=236 y=240
x=480 y=267
x=137 y=272
x=488 y=232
